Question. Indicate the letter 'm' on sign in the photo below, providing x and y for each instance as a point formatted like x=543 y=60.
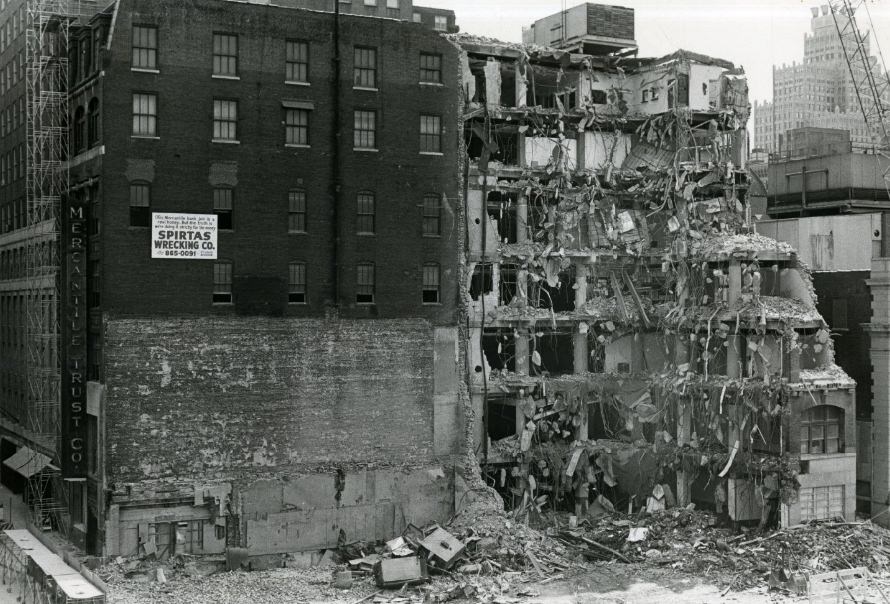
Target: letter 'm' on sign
x=74 y=342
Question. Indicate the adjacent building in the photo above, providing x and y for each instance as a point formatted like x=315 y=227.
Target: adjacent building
x=819 y=91
x=217 y=383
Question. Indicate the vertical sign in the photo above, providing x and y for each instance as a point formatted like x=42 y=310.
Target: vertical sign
x=74 y=340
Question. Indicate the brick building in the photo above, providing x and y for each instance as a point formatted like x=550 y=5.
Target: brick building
x=224 y=395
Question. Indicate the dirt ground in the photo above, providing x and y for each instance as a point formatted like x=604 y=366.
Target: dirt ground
x=595 y=583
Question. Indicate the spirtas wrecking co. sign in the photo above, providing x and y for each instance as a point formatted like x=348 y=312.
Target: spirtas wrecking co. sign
x=74 y=341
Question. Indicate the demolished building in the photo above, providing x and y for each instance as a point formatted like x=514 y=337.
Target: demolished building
x=628 y=332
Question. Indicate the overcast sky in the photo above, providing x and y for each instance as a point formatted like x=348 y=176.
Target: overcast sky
x=753 y=33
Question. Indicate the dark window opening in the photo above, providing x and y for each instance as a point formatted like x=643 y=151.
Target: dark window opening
x=223 y=205
x=364 y=283
x=560 y=298
x=501 y=419
x=222 y=282
x=502 y=209
x=509 y=278
x=140 y=205
x=603 y=421
x=482 y=281
x=503 y=145
x=557 y=353
x=431 y=279
x=598 y=97
x=499 y=348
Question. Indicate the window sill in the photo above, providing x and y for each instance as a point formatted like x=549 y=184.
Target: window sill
x=295 y=83
x=366 y=304
x=436 y=84
x=144 y=70
x=295 y=146
x=223 y=303
x=365 y=150
x=433 y=153
x=431 y=236
x=366 y=88
x=298 y=304
x=145 y=137
x=431 y=303
x=219 y=76
x=366 y=234
x=224 y=141
x=297 y=232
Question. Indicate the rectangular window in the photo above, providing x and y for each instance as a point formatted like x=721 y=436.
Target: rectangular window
x=370 y=2
x=441 y=23
x=223 y=206
x=417 y=18
x=296 y=283
x=392 y=3
x=145 y=114
x=430 y=68
x=364 y=283
x=225 y=120
x=145 y=47
x=365 y=133
x=296 y=129
x=140 y=205
x=365 y=68
x=365 y=214
x=222 y=282
x=431 y=283
x=225 y=55
x=430 y=134
x=297 y=62
x=296 y=212
x=432 y=216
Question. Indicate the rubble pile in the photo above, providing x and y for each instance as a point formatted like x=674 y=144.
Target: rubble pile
x=693 y=542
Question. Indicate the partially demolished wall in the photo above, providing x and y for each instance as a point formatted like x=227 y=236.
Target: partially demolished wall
x=632 y=341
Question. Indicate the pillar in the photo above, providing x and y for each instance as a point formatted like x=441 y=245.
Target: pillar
x=879 y=337
x=522 y=353
x=735 y=283
x=684 y=423
x=522 y=219
x=734 y=356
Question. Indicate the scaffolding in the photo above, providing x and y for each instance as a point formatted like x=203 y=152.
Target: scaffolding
x=46 y=76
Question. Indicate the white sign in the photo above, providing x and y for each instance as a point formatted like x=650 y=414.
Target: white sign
x=183 y=236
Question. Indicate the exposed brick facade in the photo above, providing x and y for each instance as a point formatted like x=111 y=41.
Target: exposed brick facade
x=205 y=399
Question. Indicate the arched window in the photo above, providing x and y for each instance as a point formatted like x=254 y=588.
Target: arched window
x=93 y=123
x=79 y=130
x=822 y=430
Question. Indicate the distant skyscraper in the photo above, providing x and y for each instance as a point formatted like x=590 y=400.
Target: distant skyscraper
x=817 y=92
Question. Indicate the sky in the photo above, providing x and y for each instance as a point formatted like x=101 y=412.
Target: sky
x=755 y=34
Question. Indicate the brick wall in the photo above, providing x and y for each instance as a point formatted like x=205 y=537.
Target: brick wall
x=263 y=170
x=216 y=398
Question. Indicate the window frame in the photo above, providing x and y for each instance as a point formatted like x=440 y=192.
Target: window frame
x=293 y=66
x=223 y=272
x=144 y=51
x=437 y=19
x=219 y=121
x=430 y=141
x=822 y=418
x=148 y=119
x=364 y=72
x=140 y=205
x=431 y=283
x=365 y=284
x=296 y=288
x=365 y=213
x=80 y=130
x=93 y=123
x=222 y=197
x=296 y=211
x=425 y=76
x=364 y=138
x=430 y=201
x=293 y=131
x=222 y=60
